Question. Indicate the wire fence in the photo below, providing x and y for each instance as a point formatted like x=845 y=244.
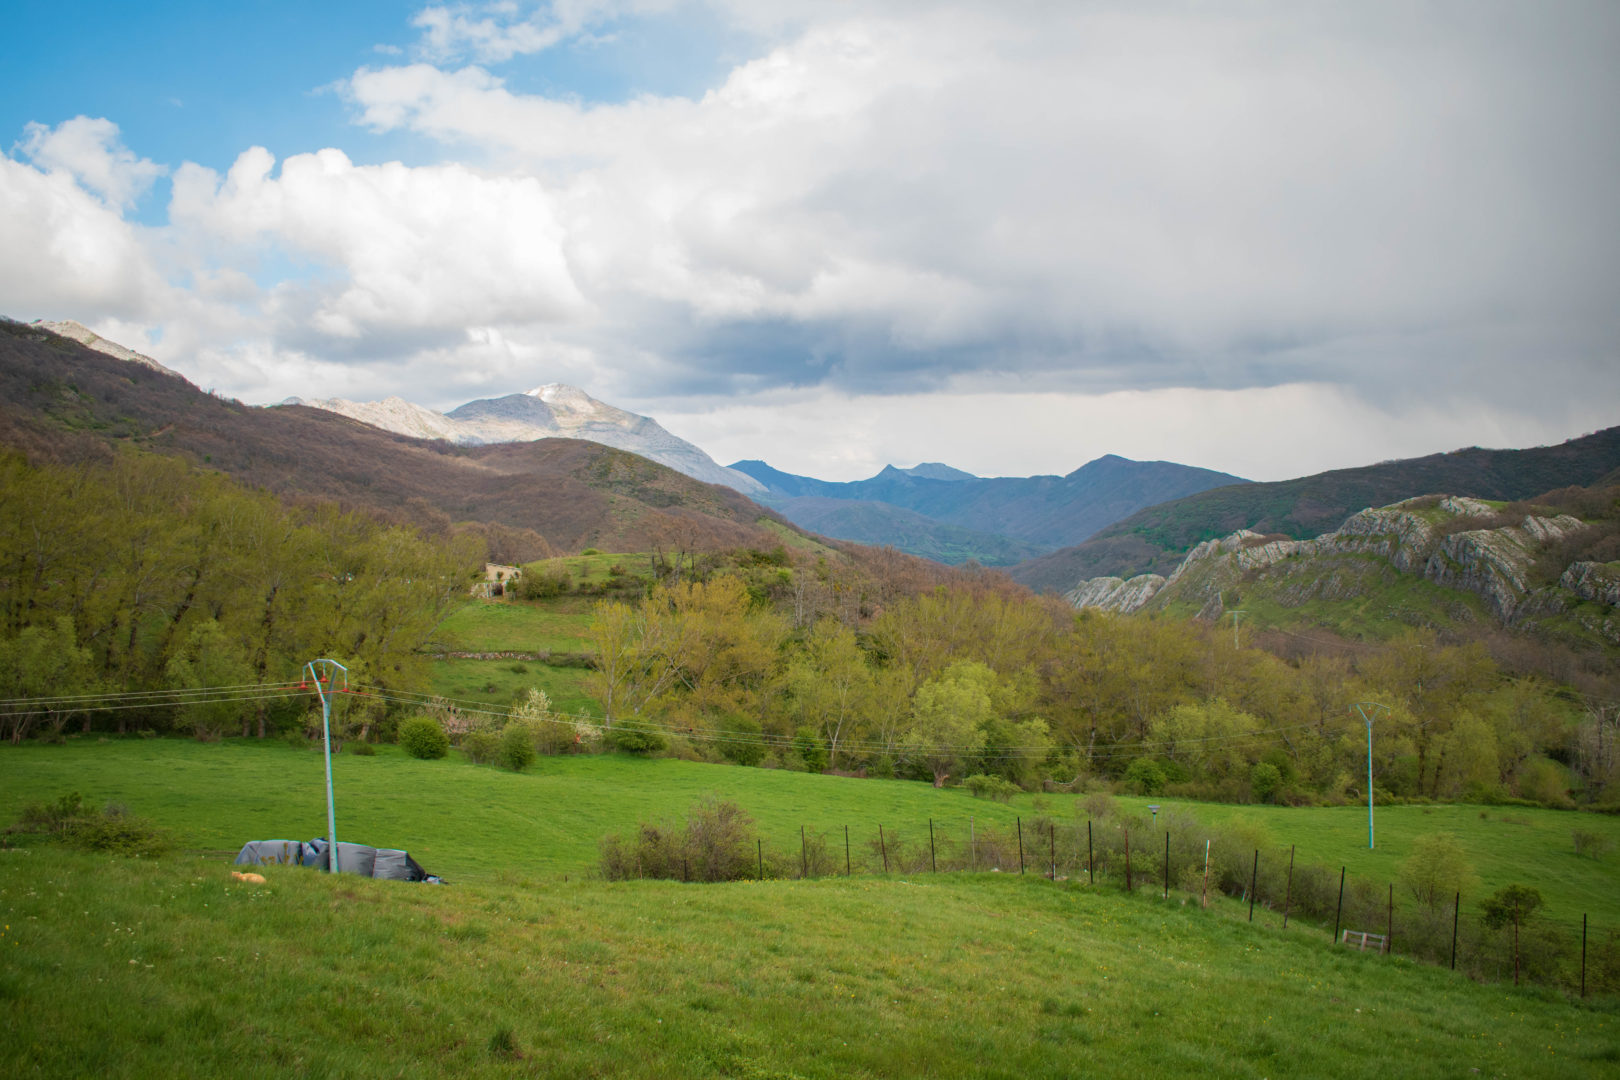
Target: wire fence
x=1184 y=863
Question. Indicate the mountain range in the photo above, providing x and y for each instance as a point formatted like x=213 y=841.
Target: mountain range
x=554 y=410
x=950 y=515
x=63 y=401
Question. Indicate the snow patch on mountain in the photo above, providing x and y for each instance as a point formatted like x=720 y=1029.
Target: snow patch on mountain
x=551 y=411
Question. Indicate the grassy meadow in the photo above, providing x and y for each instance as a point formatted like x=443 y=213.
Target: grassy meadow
x=170 y=968
x=530 y=965
x=472 y=822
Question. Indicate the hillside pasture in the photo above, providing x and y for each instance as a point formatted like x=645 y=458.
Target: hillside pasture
x=481 y=823
x=168 y=967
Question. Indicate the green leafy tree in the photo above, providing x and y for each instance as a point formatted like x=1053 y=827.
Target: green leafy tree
x=209 y=664
x=1437 y=870
x=948 y=718
x=40 y=667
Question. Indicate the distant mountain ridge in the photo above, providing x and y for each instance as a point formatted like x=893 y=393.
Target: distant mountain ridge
x=554 y=410
x=63 y=401
x=1155 y=539
x=1036 y=512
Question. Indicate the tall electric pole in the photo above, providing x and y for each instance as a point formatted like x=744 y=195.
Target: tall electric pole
x=1362 y=707
x=316 y=679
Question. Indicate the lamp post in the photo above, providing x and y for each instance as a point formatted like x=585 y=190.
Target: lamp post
x=1363 y=708
x=316 y=679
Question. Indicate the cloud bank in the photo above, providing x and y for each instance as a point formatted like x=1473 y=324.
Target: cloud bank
x=1008 y=215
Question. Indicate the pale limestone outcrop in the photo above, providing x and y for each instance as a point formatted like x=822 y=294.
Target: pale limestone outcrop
x=1116 y=594
x=1494 y=564
x=1595 y=582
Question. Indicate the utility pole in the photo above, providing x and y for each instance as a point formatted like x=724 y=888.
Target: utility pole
x=1363 y=708
x=316 y=678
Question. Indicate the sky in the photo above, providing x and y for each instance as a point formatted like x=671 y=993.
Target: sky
x=1265 y=238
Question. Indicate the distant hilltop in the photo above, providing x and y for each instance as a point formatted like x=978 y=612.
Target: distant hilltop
x=551 y=411
x=89 y=338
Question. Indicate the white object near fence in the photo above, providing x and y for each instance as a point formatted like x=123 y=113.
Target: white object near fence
x=1361 y=940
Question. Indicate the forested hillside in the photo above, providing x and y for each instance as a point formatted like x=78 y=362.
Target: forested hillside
x=978 y=678
x=142 y=574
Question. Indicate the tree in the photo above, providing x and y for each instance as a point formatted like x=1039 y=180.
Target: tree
x=832 y=685
x=948 y=717
x=39 y=668
x=1437 y=870
x=209 y=665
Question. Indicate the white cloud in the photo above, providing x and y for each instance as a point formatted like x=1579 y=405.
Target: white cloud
x=70 y=254
x=1132 y=225
x=430 y=248
x=88 y=149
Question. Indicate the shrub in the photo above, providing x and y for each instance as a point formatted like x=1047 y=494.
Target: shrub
x=1591 y=845
x=1437 y=869
x=517 y=748
x=1265 y=778
x=113 y=829
x=481 y=745
x=543 y=586
x=362 y=749
x=741 y=739
x=1145 y=777
x=991 y=787
x=808 y=748
x=631 y=741
x=423 y=737
x=715 y=843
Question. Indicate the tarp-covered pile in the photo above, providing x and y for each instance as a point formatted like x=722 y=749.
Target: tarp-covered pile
x=389 y=863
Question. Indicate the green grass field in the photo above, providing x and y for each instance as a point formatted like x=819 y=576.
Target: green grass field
x=477 y=822
x=501 y=682
x=528 y=965
x=516 y=626
x=169 y=968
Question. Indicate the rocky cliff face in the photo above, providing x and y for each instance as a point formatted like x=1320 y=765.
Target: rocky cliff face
x=1372 y=548
x=550 y=411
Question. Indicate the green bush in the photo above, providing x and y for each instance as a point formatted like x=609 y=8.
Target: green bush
x=516 y=748
x=631 y=741
x=362 y=749
x=113 y=829
x=715 y=843
x=1145 y=777
x=423 y=737
x=1265 y=778
x=741 y=740
x=481 y=745
x=991 y=787
x=809 y=748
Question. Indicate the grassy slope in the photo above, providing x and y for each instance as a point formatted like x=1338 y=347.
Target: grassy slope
x=167 y=968
x=478 y=823
x=553 y=626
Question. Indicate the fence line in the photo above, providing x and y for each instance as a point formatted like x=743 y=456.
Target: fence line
x=1536 y=948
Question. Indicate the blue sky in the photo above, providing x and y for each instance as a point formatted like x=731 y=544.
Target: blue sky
x=1263 y=238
